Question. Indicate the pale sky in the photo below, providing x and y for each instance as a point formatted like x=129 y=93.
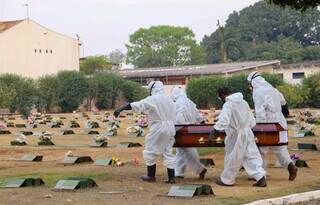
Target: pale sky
x=104 y=25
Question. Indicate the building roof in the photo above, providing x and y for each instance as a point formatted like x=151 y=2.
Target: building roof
x=306 y=64
x=5 y=25
x=210 y=69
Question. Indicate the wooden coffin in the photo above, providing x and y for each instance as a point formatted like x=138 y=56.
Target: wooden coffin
x=196 y=135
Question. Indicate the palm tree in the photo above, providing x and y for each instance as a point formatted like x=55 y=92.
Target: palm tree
x=226 y=42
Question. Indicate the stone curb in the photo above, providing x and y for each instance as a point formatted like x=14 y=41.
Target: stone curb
x=294 y=198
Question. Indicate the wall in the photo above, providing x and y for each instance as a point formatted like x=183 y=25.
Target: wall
x=287 y=73
x=20 y=51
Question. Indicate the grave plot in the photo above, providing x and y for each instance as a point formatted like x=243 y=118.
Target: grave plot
x=207 y=162
x=100 y=141
x=89 y=132
x=92 y=125
x=129 y=144
x=26 y=133
x=45 y=139
x=103 y=161
x=10 y=124
x=190 y=190
x=73 y=124
x=26 y=182
x=135 y=131
x=307 y=146
x=75 y=183
x=5 y=132
x=20 y=140
x=20 y=126
x=68 y=160
x=32 y=158
x=66 y=132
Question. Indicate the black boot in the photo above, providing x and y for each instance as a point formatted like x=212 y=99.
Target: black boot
x=171 y=176
x=203 y=173
x=151 y=177
x=292 y=169
x=261 y=183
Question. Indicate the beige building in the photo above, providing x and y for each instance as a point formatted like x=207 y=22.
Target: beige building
x=294 y=73
x=32 y=50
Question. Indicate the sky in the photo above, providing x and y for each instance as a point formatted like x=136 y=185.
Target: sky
x=105 y=25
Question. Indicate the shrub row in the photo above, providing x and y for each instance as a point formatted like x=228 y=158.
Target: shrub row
x=66 y=90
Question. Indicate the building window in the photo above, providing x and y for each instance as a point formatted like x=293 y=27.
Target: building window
x=35 y=50
x=51 y=51
x=46 y=50
x=298 y=75
x=40 y=51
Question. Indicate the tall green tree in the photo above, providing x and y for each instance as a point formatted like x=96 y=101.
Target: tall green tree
x=164 y=46
x=93 y=64
x=109 y=87
x=263 y=23
x=296 y=4
x=23 y=93
x=47 y=92
x=72 y=88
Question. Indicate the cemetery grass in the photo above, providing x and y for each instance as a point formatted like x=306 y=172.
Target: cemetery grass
x=124 y=181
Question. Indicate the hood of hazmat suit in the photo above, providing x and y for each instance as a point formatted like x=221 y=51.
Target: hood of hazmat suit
x=186 y=110
x=267 y=101
x=236 y=119
x=161 y=112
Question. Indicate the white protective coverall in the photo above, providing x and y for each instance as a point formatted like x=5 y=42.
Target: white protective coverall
x=161 y=112
x=236 y=119
x=186 y=113
x=267 y=102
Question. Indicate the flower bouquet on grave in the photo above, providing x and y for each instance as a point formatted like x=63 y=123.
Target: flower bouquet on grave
x=135 y=131
x=20 y=140
x=92 y=124
x=296 y=158
x=45 y=138
x=308 y=128
x=113 y=122
x=3 y=125
x=143 y=121
x=100 y=141
x=112 y=131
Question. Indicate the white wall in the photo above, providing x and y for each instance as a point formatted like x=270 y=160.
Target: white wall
x=17 y=50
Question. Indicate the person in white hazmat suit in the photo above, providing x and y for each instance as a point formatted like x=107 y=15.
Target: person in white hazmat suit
x=236 y=119
x=268 y=103
x=186 y=113
x=160 y=139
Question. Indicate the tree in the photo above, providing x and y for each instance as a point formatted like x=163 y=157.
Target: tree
x=94 y=64
x=263 y=23
x=225 y=42
x=108 y=88
x=203 y=91
x=7 y=94
x=47 y=93
x=116 y=57
x=295 y=95
x=287 y=50
x=23 y=93
x=72 y=88
x=312 y=85
x=133 y=91
x=163 y=46
x=296 y=4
